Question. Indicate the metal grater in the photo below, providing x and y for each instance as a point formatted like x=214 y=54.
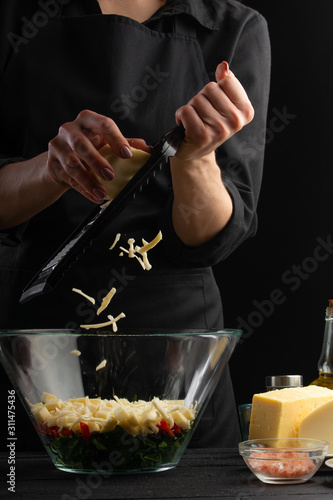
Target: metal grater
x=53 y=270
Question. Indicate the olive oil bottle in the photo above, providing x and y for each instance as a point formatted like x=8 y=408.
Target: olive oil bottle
x=325 y=363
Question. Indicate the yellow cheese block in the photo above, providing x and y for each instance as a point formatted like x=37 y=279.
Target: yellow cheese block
x=278 y=414
x=124 y=169
x=319 y=424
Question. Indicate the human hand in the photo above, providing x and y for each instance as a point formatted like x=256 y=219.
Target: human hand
x=73 y=153
x=211 y=117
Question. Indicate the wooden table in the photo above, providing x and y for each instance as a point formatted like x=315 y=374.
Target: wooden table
x=201 y=474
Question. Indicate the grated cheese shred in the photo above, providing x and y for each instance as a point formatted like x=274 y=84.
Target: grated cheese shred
x=133 y=249
x=77 y=290
x=101 y=365
x=106 y=301
x=111 y=321
x=117 y=238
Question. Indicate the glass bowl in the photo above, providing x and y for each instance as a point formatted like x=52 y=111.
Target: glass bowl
x=125 y=402
x=284 y=461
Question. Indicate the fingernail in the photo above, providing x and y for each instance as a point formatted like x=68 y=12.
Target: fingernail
x=126 y=152
x=98 y=193
x=107 y=174
x=226 y=67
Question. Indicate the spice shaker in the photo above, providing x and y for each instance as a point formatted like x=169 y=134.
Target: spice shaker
x=283 y=381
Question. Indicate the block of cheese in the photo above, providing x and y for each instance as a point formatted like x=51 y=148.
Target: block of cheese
x=124 y=169
x=319 y=424
x=279 y=413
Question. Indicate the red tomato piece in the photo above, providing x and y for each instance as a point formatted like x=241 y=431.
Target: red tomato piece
x=165 y=428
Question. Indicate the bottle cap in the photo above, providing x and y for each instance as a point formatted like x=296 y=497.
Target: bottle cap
x=329 y=309
x=283 y=381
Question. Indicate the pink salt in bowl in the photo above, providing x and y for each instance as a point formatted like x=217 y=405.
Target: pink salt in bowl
x=283 y=461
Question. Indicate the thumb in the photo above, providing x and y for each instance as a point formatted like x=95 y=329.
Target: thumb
x=222 y=71
x=140 y=144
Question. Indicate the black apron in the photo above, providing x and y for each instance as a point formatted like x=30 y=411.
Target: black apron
x=110 y=64
x=117 y=67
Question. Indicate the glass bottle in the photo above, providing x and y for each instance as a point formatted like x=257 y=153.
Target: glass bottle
x=325 y=363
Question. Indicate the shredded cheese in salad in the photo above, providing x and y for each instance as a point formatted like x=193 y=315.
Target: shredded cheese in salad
x=103 y=415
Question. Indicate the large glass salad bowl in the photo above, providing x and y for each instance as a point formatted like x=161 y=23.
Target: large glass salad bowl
x=127 y=402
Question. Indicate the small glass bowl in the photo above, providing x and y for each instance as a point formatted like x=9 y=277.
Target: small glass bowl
x=283 y=461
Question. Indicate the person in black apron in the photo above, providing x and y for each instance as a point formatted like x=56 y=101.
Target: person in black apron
x=67 y=64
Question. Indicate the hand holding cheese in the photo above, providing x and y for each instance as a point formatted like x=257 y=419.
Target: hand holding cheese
x=123 y=170
x=74 y=152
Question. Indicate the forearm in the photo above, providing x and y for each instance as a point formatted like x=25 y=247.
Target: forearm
x=26 y=190
x=202 y=205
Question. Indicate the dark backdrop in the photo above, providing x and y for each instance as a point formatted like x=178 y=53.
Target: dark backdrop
x=277 y=285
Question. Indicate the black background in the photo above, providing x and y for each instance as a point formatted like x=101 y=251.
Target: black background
x=284 y=335
x=281 y=312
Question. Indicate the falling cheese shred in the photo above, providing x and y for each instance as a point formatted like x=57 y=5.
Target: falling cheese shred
x=107 y=323
x=117 y=238
x=149 y=245
x=132 y=251
x=131 y=242
x=91 y=299
x=114 y=321
x=142 y=264
x=76 y=352
x=106 y=301
x=101 y=365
